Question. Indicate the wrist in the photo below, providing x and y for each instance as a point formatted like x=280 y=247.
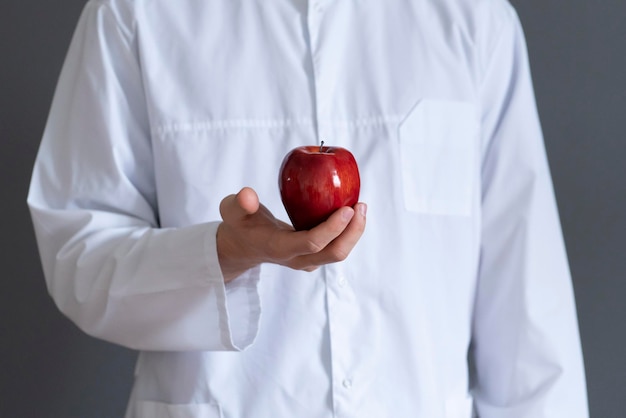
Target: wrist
x=232 y=259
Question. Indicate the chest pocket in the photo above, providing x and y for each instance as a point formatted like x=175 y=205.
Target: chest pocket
x=439 y=157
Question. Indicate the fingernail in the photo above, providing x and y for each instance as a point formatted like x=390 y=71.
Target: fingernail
x=362 y=209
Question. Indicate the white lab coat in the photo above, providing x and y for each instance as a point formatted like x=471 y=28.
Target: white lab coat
x=163 y=108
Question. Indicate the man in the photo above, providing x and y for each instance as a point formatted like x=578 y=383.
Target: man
x=166 y=133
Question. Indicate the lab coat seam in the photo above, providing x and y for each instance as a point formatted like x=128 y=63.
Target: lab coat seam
x=128 y=31
x=227 y=124
x=364 y=122
x=166 y=129
x=493 y=45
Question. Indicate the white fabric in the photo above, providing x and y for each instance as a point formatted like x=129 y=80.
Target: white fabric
x=165 y=107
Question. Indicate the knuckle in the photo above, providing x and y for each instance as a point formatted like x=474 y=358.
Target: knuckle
x=313 y=246
x=338 y=254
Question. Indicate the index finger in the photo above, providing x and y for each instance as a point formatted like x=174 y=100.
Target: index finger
x=340 y=247
x=315 y=240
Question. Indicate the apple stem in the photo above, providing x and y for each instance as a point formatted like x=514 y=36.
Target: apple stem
x=321 y=146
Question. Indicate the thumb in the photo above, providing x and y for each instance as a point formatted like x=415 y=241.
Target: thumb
x=234 y=208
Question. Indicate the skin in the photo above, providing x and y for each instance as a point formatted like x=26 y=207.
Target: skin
x=250 y=235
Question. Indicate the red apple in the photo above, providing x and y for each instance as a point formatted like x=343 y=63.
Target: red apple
x=315 y=181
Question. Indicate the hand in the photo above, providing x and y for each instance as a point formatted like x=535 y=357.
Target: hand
x=250 y=235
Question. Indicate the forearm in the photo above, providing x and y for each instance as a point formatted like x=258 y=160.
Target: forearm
x=135 y=285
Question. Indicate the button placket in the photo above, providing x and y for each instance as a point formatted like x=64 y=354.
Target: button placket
x=342 y=308
x=314 y=17
x=344 y=321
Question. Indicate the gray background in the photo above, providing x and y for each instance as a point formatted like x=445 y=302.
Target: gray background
x=578 y=54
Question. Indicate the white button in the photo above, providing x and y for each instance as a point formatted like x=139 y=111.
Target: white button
x=342 y=282
x=347 y=383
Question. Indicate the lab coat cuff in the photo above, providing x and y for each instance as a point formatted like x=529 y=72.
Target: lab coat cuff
x=238 y=300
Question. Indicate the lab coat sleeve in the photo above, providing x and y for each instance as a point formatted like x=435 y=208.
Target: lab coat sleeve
x=526 y=345
x=108 y=265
